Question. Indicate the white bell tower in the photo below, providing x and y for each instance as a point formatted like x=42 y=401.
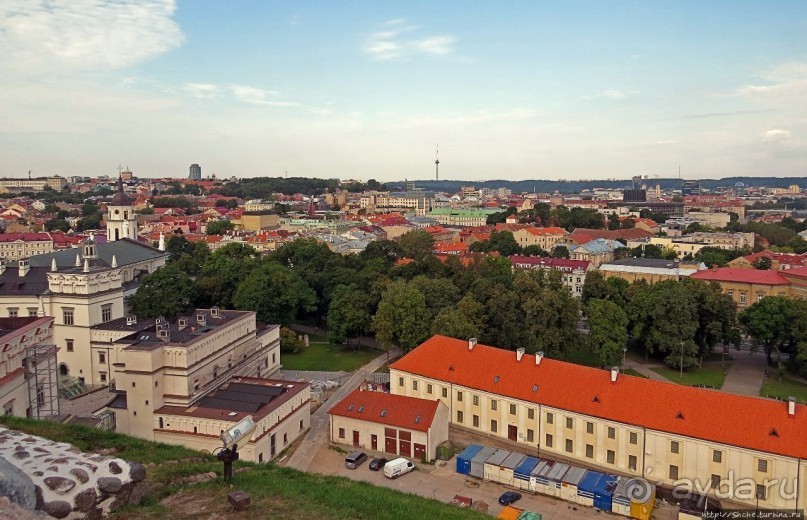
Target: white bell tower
x=121 y=221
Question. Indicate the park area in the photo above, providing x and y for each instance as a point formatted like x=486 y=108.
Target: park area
x=782 y=387
x=323 y=355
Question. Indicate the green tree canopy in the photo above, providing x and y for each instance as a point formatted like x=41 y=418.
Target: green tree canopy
x=275 y=293
x=402 y=318
x=608 y=331
x=416 y=244
x=167 y=292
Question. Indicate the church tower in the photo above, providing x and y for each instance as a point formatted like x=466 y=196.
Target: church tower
x=121 y=221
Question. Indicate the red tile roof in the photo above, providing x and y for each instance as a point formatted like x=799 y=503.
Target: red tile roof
x=735 y=274
x=694 y=412
x=401 y=411
x=546 y=231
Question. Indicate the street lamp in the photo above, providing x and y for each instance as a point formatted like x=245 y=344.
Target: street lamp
x=682 y=360
x=624 y=352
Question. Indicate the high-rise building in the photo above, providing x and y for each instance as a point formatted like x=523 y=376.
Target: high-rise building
x=690 y=188
x=636 y=192
x=196 y=172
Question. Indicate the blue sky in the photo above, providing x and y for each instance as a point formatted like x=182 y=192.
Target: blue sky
x=521 y=89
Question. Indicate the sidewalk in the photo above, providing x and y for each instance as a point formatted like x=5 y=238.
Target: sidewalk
x=746 y=373
x=645 y=370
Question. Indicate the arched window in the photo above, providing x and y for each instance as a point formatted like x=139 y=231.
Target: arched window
x=63 y=370
x=117 y=234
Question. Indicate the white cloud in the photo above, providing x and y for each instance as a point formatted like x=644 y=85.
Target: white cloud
x=396 y=39
x=775 y=135
x=257 y=96
x=786 y=84
x=203 y=90
x=39 y=36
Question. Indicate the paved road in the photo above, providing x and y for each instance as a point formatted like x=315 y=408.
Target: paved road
x=746 y=373
x=317 y=436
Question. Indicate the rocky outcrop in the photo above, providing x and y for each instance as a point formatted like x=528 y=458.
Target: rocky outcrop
x=63 y=482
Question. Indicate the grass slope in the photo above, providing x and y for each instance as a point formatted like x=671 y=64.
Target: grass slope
x=710 y=376
x=278 y=493
x=321 y=355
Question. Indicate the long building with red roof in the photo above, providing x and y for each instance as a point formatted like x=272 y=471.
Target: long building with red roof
x=667 y=433
x=747 y=286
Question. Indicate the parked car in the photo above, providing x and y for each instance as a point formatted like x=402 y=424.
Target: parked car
x=509 y=497
x=355 y=459
x=396 y=468
x=377 y=463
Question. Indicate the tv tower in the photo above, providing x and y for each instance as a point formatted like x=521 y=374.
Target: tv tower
x=436 y=164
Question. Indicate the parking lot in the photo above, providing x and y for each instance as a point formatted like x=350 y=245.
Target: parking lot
x=442 y=482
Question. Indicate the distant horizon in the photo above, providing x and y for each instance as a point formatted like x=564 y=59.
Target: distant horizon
x=586 y=88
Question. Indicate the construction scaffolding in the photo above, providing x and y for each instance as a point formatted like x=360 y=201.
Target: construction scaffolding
x=43 y=383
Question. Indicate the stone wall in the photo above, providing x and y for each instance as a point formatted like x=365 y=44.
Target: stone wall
x=60 y=480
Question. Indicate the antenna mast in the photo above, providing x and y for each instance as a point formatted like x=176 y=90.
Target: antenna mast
x=436 y=163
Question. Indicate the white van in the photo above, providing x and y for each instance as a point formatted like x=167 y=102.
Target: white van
x=396 y=468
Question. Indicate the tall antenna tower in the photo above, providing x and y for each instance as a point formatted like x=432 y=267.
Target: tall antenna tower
x=436 y=163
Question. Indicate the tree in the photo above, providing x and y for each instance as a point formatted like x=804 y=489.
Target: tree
x=222 y=273
x=550 y=322
x=672 y=324
x=416 y=244
x=535 y=250
x=768 y=323
x=798 y=245
x=560 y=251
x=348 y=314
x=501 y=217
x=594 y=286
x=462 y=322
x=219 y=227
x=167 y=292
x=57 y=224
x=275 y=293
x=439 y=293
x=503 y=242
x=716 y=315
x=388 y=250
x=613 y=221
x=763 y=263
x=402 y=318
x=290 y=342
x=608 y=326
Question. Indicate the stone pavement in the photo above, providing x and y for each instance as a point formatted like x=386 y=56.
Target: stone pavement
x=645 y=370
x=317 y=436
x=746 y=373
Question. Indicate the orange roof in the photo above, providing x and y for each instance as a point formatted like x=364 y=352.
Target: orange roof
x=749 y=422
x=450 y=247
x=542 y=231
x=383 y=408
x=736 y=274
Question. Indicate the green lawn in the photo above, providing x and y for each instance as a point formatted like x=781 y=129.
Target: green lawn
x=710 y=376
x=784 y=387
x=321 y=355
x=277 y=493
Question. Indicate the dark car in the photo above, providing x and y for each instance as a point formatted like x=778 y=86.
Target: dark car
x=378 y=464
x=509 y=497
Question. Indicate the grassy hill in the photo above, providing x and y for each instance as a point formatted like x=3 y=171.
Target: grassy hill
x=277 y=493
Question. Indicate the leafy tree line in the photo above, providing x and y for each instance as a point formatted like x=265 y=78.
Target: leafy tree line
x=265 y=187
x=543 y=214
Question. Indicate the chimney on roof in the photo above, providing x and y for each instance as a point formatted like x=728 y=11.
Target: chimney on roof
x=53 y=267
x=519 y=354
x=471 y=343
x=23 y=266
x=614 y=374
x=791 y=406
x=86 y=265
x=78 y=260
x=538 y=357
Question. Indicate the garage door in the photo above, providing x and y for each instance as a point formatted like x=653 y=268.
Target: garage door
x=390 y=441
x=420 y=451
x=405 y=443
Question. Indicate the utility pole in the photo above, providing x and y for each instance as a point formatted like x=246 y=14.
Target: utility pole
x=682 y=360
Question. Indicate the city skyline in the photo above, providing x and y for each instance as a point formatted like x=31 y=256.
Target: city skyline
x=572 y=90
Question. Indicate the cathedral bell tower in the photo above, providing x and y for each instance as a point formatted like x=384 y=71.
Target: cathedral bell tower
x=121 y=221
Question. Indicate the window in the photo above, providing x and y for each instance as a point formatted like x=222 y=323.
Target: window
x=634 y=438
x=632 y=462
x=102 y=376
x=460 y=416
x=743 y=297
x=69 y=343
x=13 y=312
x=760 y=296
x=445 y=392
x=589 y=451
x=400 y=381
x=341 y=433
x=569 y=445
x=494 y=404
x=102 y=357
x=550 y=418
x=715 y=482
x=762 y=492
x=673 y=446
x=610 y=456
x=429 y=388
x=730 y=293
x=147 y=402
x=476 y=421
x=530 y=435
x=717 y=456
x=106 y=312
x=512 y=409
x=589 y=426
x=673 y=472
x=569 y=423
x=301 y=425
x=67 y=316
x=274 y=359
x=32 y=312
x=494 y=426
x=548 y=440
x=134 y=385
x=285 y=439
x=414 y=385
x=611 y=432
x=762 y=466
x=530 y=413
x=459 y=397
x=476 y=400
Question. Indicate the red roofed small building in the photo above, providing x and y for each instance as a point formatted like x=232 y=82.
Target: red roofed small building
x=615 y=422
x=747 y=286
x=779 y=261
x=393 y=424
x=450 y=248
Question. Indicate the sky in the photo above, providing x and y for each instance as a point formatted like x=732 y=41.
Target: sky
x=504 y=90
